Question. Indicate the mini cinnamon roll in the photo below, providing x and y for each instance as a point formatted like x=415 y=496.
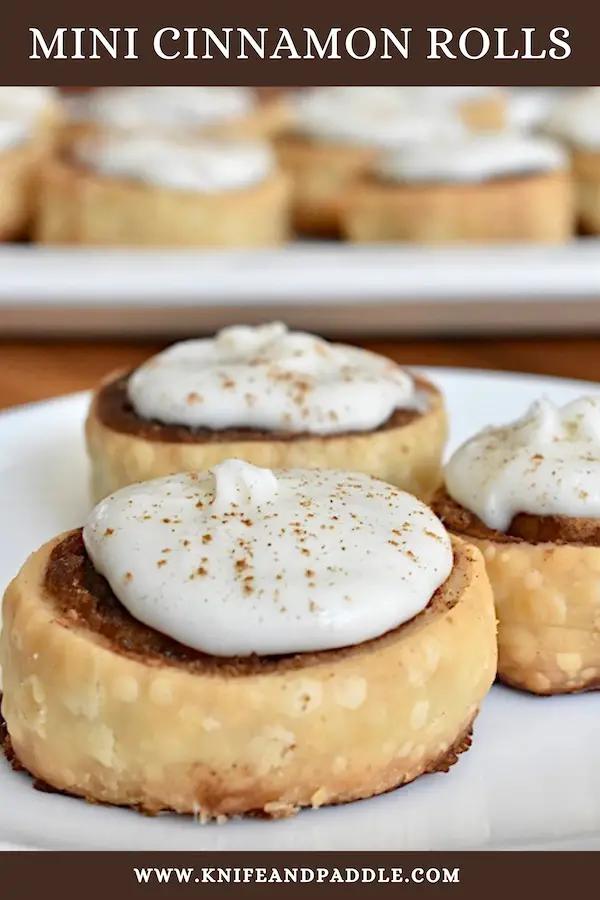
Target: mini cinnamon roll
x=494 y=187
x=274 y=398
x=246 y=641
x=136 y=190
x=527 y=495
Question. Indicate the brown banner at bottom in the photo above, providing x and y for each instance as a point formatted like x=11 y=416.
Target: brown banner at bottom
x=148 y=875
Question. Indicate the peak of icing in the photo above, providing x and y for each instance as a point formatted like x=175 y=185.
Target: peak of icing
x=239 y=484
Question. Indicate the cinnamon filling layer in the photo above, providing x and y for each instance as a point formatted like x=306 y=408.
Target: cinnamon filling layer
x=524 y=527
x=83 y=599
x=115 y=410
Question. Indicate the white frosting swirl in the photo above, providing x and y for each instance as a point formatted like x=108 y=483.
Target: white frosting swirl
x=27 y=100
x=377 y=117
x=201 y=166
x=545 y=463
x=455 y=94
x=182 y=108
x=472 y=158
x=529 y=108
x=576 y=119
x=245 y=560
x=270 y=379
x=20 y=109
x=13 y=132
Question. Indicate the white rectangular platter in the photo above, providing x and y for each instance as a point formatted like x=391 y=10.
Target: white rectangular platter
x=328 y=287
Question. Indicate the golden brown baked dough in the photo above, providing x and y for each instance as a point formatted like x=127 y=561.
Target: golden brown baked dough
x=79 y=207
x=537 y=208
x=18 y=167
x=547 y=596
x=488 y=113
x=321 y=174
x=586 y=173
x=50 y=125
x=19 y=172
x=272 y=117
x=408 y=456
x=309 y=730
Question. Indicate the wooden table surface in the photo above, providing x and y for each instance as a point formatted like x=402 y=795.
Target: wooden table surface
x=35 y=371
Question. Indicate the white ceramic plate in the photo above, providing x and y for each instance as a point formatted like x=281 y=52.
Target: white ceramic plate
x=531 y=779
x=324 y=287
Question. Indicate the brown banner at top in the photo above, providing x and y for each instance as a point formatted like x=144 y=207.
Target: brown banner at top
x=67 y=42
